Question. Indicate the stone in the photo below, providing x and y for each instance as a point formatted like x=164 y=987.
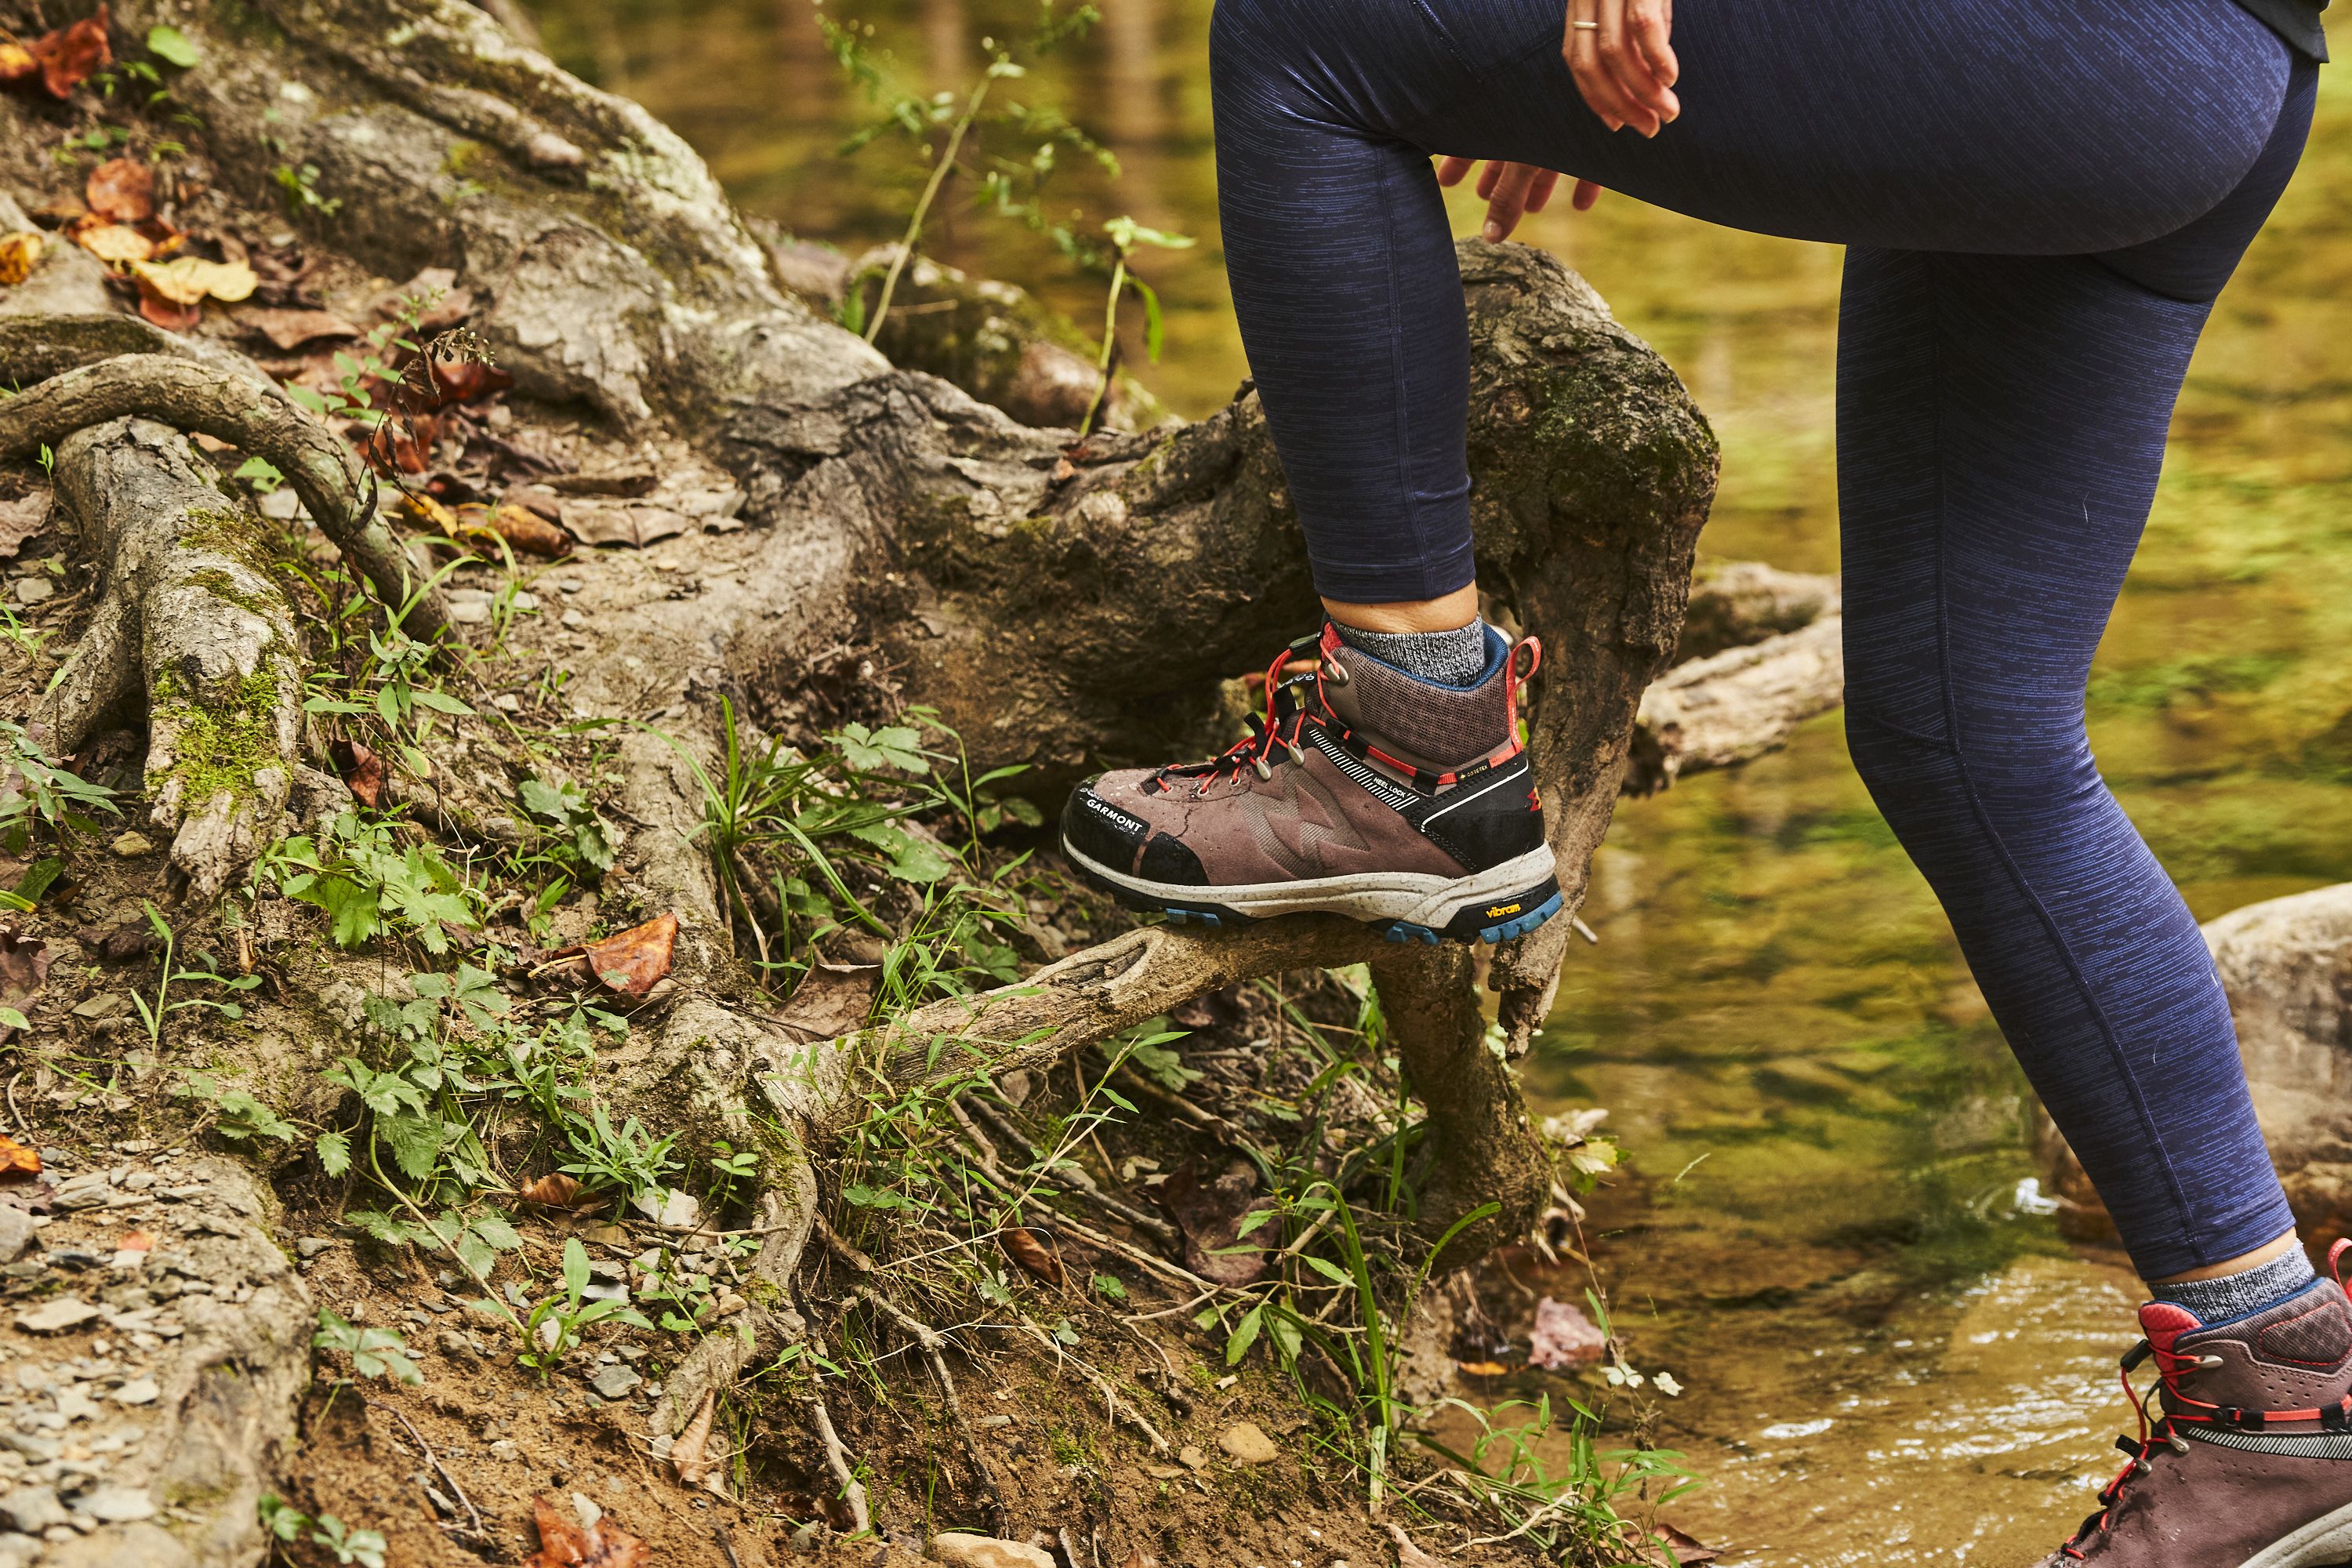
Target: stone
x=129 y=845
x=1192 y=1459
x=311 y=1246
x=615 y=1382
x=18 y=1550
x=34 y=590
x=56 y=1316
x=135 y=1545
x=280 y=505
x=1247 y=1445
x=16 y=1232
x=105 y=1005
x=117 y=1505
x=957 y=1550
x=33 y=1508
x=138 y=1391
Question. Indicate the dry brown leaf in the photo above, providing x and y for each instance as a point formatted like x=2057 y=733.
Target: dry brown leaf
x=635 y=960
x=289 y=330
x=24 y=966
x=554 y=1190
x=1136 y=1557
x=168 y=315
x=564 y=1542
x=695 y=1457
x=1408 y=1554
x=1688 y=1550
x=70 y=55
x=136 y=1241
x=463 y=380
x=116 y=243
x=1034 y=1249
x=361 y=770
x=16 y=62
x=1482 y=1368
x=423 y=511
x=122 y=189
x=16 y=1161
x=829 y=1001
x=20 y=520
x=191 y=279
x=518 y=526
x=19 y=254
x=1209 y=1212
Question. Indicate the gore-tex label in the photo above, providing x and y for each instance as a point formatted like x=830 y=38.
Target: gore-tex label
x=1113 y=815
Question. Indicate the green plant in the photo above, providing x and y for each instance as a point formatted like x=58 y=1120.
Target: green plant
x=1562 y=1497
x=37 y=789
x=237 y=1115
x=260 y=473
x=557 y=1320
x=374 y=1353
x=368 y=882
x=164 y=1007
x=730 y=1165
x=1126 y=234
x=288 y=1525
x=580 y=839
x=298 y=188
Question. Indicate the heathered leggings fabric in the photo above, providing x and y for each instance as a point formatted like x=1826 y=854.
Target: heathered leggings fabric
x=2041 y=198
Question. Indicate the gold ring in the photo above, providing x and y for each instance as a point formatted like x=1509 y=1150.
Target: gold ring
x=1586 y=27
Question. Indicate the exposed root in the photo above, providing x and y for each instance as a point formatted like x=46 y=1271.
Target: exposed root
x=1736 y=705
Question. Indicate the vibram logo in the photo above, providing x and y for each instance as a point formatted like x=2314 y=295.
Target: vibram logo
x=1493 y=910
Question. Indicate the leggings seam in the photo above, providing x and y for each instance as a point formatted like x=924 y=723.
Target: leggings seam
x=1984 y=818
x=1398 y=379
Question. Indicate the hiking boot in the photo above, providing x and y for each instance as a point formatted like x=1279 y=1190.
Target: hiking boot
x=1360 y=791
x=2250 y=1462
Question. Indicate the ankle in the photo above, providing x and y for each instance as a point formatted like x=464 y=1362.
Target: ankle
x=1456 y=657
x=2219 y=1297
x=1446 y=613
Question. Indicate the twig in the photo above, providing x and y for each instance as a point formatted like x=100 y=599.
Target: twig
x=836 y=1458
x=439 y=1469
x=14 y=1114
x=1177 y=1105
x=1116 y=1405
x=1080 y=1179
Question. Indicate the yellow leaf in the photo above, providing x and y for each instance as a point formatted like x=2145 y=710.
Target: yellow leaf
x=116 y=243
x=19 y=254
x=188 y=280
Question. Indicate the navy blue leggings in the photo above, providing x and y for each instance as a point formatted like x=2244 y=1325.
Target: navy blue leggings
x=2040 y=199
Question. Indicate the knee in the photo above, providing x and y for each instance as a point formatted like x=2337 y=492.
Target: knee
x=2017 y=774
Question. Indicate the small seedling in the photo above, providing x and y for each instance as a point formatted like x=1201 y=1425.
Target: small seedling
x=374 y=1353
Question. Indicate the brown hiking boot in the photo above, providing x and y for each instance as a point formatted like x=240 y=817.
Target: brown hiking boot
x=1361 y=790
x=2250 y=1464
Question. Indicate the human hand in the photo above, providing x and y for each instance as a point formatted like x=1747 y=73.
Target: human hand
x=1512 y=190
x=1618 y=53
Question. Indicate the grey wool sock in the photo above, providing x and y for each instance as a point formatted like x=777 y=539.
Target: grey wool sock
x=1457 y=658
x=2236 y=1295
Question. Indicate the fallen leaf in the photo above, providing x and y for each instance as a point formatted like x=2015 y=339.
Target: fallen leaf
x=829 y=1003
x=24 y=966
x=1136 y=1557
x=70 y=55
x=190 y=279
x=20 y=520
x=556 y=1191
x=1209 y=1213
x=423 y=511
x=116 y=243
x=122 y=189
x=564 y=1542
x=1408 y=1554
x=17 y=1162
x=1564 y=1338
x=1687 y=1551
x=527 y=531
x=463 y=380
x=19 y=254
x=1482 y=1368
x=1034 y=1249
x=16 y=62
x=290 y=329
x=635 y=960
x=692 y=1454
x=605 y=522
x=168 y=315
x=360 y=769
x=136 y=1241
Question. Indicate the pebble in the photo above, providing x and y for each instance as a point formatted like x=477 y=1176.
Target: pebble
x=33 y=1508
x=34 y=590
x=55 y=1317
x=117 y=1505
x=280 y=505
x=1192 y=1459
x=1248 y=1445
x=105 y=1005
x=615 y=1382
x=311 y=1246
x=455 y=1344
x=506 y=703
x=958 y=1550
x=138 y=1391
x=16 y=1228
x=574 y=619
x=133 y=843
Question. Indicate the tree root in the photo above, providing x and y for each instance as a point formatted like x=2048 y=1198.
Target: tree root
x=1735 y=706
x=247 y=411
x=193 y=622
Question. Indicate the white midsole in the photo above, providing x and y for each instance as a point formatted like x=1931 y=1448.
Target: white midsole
x=1415 y=896
x=2326 y=1539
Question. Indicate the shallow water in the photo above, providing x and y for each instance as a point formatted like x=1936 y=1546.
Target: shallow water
x=1887 y=1361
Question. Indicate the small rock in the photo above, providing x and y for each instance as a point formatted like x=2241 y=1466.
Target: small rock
x=1192 y=1459
x=506 y=703
x=468 y=612
x=615 y=1382
x=280 y=505
x=730 y=1303
x=958 y=1550
x=311 y=1246
x=33 y=590
x=138 y=1391
x=55 y=1317
x=105 y=1005
x=1248 y=1445
x=573 y=619
x=117 y=1505
x=454 y=1343
x=18 y=1550
x=546 y=150
x=16 y=1228
x=133 y=843
x=33 y=1508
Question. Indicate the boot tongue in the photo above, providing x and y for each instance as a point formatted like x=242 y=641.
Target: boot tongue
x=2165 y=1321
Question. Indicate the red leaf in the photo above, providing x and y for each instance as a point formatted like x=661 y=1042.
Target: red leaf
x=1033 y=1251
x=463 y=380
x=16 y=1161
x=122 y=189
x=556 y=1191
x=70 y=55
x=361 y=769
x=563 y=1542
x=634 y=962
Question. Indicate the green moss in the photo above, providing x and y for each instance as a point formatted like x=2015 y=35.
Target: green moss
x=223 y=586
x=219 y=746
x=227 y=530
x=248 y=24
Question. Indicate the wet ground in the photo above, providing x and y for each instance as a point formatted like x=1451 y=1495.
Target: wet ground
x=1887 y=1358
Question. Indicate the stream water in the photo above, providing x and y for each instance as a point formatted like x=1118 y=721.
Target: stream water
x=1887 y=1358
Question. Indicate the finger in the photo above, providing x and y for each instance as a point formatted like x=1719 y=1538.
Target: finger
x=1579 y=48
x=1539 y=189
x=1510 y=200
x=1584 y=195
x=1625 y=72
x=1489 y=176
x=1633 y=67
x=1650 y=24
x=1451 y=170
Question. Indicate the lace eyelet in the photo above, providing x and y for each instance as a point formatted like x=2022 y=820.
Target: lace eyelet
x=1334 y=672
x=1260 y=768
